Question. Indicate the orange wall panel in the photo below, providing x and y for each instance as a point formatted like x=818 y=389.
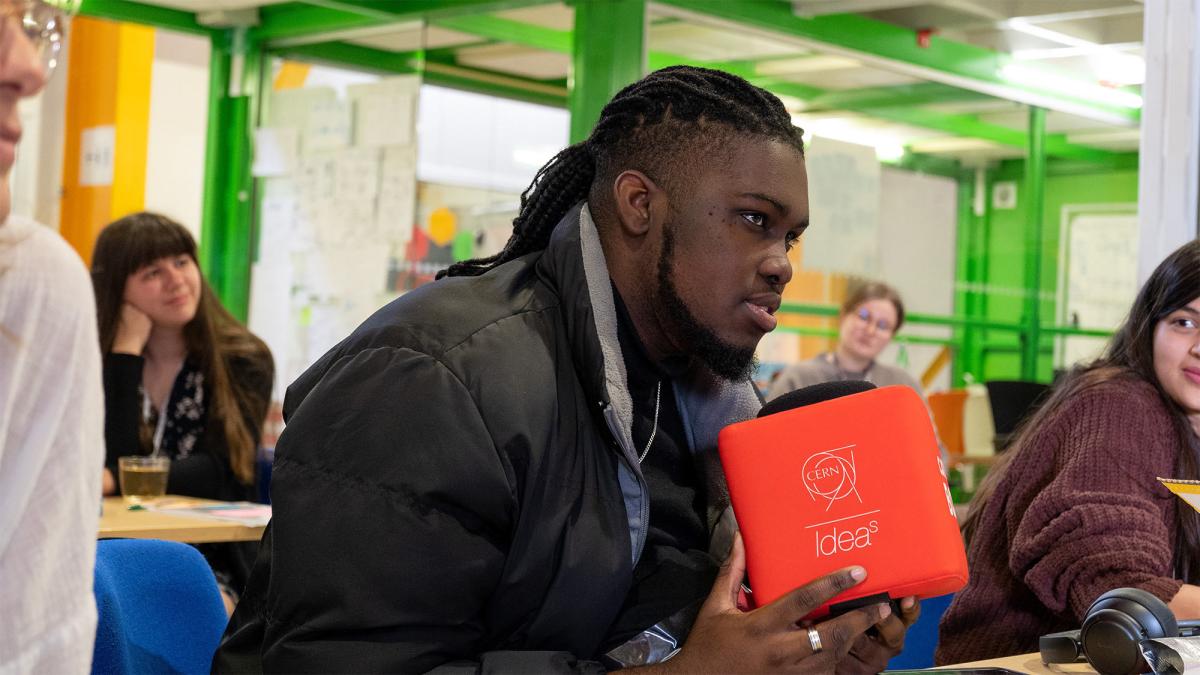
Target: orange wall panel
x=108 y=84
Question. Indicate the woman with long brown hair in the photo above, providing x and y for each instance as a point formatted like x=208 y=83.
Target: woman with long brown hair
x=1074 y=509
x=182 y=377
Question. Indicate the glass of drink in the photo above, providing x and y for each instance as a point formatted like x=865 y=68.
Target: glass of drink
x=143 y=477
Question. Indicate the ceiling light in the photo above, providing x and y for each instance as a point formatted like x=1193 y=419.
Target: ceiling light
x=889 y=152
x=1039 y=79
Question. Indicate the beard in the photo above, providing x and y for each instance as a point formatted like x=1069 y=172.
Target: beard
x=728 y=361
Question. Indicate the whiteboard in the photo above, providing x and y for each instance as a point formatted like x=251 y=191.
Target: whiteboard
x=918 y=227
x=1098 y=257
x=843 y=204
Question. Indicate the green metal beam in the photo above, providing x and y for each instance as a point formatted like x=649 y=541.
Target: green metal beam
x=931 y=164
x=972 y=126
x=946 y=61
x=496 y=84
x=921 y=93
x=1035 y=200
x=303 y=21
x=434 y=69
x=917 y=318
x=150 y=15
x=892 y=103
x=1119 y=161
x=602 y=65
x=832 y=334
x=507 y=30
x=344 y=53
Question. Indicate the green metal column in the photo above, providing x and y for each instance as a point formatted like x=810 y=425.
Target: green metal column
x=1035 y=200
x=226 y=238
x=211 y=235
x=963 y=283
x=609 y=52
x=971 y=271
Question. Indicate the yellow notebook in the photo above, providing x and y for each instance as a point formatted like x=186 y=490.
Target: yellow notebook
x=1187 y=490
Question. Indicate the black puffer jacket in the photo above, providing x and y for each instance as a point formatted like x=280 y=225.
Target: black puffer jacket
x=456 y=484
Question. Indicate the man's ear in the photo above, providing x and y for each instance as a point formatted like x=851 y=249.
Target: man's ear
x=637 y=199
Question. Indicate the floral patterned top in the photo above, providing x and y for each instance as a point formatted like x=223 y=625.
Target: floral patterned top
x=176 y=435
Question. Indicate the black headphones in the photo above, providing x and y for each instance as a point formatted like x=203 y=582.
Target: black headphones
x=1114 y=625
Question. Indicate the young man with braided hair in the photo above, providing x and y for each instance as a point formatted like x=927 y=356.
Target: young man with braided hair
x=514 y=468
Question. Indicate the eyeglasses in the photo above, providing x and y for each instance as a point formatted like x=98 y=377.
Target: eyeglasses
x=44 y=24
x=881 y=325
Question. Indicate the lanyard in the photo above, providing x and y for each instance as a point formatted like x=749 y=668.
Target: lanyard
x=162 y=420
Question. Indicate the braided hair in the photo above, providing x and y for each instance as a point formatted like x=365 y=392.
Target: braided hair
x=646 y=126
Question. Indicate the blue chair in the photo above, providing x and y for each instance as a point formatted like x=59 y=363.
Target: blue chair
x=160 y=608
x=922 y=637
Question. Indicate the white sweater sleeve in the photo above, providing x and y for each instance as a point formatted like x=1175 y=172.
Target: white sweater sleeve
x=51 y=453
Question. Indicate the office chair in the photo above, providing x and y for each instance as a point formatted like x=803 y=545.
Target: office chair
x=922 y=637
x=160 y=610
x=1012 y=402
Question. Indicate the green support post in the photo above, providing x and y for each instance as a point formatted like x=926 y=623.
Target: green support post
x=1035 y=199
x=978 y=271
x=227 y=236
x=211 y=235
x=609 y=53
x=971 y=272
x=962 y=275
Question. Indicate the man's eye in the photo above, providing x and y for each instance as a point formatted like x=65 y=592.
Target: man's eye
x=755 y=219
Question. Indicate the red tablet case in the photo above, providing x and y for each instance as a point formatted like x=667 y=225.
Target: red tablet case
x=855 y=480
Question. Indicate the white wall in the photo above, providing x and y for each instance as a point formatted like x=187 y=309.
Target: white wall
x=918 y=216
x=36 y=178
x=1169 y=161
x=483 y=141
x=178 y=127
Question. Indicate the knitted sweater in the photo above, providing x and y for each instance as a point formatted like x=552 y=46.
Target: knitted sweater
x=1078 y=513
x=51 y=449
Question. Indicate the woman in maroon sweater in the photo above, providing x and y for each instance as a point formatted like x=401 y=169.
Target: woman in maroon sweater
x=1074 y=508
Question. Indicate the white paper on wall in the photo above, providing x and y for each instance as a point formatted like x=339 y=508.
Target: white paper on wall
x=330 y=223
x=1098 y=270
x=397 y=197
x=290 y=107
x=356 y=175
x=382 y=119
x=270 y=312
x=843 y=197
x=276 y=228
x=347 y=271
x=276 y=150
x=315 y=176
x=327 y=126
x=97 y=146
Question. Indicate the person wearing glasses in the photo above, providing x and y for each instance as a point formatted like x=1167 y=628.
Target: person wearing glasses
x=51 y=400
x=870 y=317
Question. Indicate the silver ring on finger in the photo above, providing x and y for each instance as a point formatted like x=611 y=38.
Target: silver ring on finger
x=814 y=641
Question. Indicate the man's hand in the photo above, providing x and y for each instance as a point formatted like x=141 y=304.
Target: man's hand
x=871 y=653
x=725 y=639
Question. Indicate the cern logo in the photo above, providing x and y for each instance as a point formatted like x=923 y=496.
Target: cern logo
x=831 y=475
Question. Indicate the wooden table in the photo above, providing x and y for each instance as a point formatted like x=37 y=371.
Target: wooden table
x=118 y=522
x=1026 y=663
